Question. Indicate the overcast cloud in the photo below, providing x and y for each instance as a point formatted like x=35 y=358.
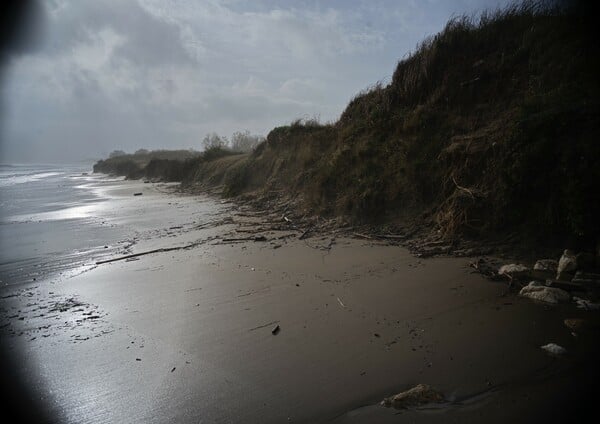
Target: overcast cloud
x=126 y=74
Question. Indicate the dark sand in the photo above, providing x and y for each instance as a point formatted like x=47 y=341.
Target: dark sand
x=185 y=336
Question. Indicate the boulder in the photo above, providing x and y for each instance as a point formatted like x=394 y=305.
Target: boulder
x=515 y=271
x=567 y=265
x=544 y=269
x=419 y=395
x=537 y=291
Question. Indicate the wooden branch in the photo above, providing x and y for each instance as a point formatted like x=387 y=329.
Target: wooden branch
x=305 y=233
x=149 y=252
x=257 y=238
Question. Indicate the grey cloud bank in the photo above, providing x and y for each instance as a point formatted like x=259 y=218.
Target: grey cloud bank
x=117 y=74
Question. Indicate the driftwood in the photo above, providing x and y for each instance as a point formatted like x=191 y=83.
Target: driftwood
x=365 y=236
x=257 y=238
x=135 y=255
x=149 y=252
x=305 y=233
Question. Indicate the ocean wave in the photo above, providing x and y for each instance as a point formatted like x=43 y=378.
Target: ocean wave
x=9 y=180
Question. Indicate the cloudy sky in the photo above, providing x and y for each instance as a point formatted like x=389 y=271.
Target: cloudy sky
x=125 y=74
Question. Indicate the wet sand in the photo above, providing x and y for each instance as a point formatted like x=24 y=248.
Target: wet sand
x=186 y=335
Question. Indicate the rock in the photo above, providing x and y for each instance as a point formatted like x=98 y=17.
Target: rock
x=586 y=304
x=275 y=330
x=544 y=269
x=554 y=349
x=567 y=265
x=537 y=291
x=419 y=395
x=514 y=271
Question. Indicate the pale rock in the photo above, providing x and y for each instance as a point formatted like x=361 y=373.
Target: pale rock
x=537 y=291
x=554 y=349
x=514 y=271
x=567 y=265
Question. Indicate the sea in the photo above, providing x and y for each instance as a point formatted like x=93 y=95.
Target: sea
x=59 y=221
x=47 y=227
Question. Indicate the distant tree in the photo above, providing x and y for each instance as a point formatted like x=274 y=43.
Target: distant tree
x=116 y=153
x=244 y=141
x=142 y=152
x=214 y=141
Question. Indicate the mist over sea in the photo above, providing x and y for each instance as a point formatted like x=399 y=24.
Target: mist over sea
x=46 y=225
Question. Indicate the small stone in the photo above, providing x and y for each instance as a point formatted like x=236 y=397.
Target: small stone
x=554 y=349
x=419 y=395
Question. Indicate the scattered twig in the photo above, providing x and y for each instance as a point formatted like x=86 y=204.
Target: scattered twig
x=466 y=190
x=263 y=326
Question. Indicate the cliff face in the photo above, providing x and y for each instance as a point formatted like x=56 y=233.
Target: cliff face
x=489 y=127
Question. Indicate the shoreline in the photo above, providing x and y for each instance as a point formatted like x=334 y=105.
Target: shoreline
x=359 y=320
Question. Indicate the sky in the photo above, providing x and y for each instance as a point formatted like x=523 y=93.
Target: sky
x=100 y=75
